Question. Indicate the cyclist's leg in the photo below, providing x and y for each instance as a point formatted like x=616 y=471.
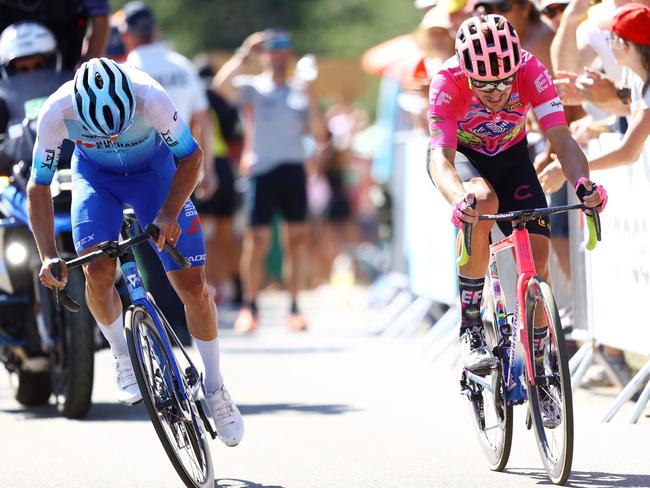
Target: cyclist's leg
x=96 y=217
x=475 y=354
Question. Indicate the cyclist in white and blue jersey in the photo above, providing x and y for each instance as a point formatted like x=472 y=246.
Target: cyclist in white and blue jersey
x=127 y=132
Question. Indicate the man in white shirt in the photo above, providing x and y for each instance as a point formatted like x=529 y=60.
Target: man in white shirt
x=178 y=77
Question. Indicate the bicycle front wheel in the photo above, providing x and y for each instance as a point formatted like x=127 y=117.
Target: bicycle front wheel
x=175 y=420
x=550 y=399
x=492 y=414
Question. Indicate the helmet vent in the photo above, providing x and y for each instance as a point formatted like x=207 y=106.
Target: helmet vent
x=99 y=81
x=468 y=60
x=504 y=43
x=108 y=117
x=478 y=49
x=480 y=65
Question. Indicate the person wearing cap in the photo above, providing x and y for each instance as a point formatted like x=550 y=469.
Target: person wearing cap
x=630 y=42
x=279 y=112
x=552 y=11
x=176 y=74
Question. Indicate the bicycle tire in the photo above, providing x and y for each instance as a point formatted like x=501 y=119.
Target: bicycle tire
x=136 y=318
x=73 y=379
x=557 y=465
x=497 y=453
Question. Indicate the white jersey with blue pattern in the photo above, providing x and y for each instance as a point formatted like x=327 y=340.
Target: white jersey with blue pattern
x=156 y=127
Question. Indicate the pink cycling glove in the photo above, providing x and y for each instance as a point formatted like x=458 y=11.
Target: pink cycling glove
x=458 y=211
x=581 y=191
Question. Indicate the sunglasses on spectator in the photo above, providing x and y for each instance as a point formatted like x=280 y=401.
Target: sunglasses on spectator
x=615 y=39
x=552 y=10
x=489 y=8
x=490 y=86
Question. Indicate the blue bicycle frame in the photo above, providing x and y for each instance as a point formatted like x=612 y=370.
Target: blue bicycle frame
x=139 y=297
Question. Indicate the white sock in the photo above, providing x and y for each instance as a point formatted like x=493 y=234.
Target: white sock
x=209 y=351
x=114 y=334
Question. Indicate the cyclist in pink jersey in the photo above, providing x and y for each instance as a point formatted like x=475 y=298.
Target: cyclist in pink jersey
x=478 y=154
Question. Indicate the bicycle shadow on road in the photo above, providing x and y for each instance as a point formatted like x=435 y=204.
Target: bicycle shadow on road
x=237 y=483
x=325 y=409
x=587 y=479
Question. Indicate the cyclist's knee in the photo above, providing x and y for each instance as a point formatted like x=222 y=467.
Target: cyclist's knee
x=100 y=275
x=487 y=202
x=194 y=289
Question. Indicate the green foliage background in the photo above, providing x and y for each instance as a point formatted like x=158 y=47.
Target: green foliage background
x=340 y=28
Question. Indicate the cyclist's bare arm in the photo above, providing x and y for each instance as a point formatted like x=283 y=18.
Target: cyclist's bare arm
x=41 y=217
x=223 y=80
x=573 y=160
x=441 y=168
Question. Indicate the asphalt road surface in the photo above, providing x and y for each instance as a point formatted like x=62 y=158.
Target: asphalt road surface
x=333 y=407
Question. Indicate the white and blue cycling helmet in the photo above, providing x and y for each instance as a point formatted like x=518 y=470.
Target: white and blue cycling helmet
x=103 y=97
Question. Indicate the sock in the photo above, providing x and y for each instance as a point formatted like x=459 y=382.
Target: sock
x=471 y=291
x=209 y=351
x=253 y=306
x=238 y=298
x=114 y=334
x=294 y=306
x=539 y=339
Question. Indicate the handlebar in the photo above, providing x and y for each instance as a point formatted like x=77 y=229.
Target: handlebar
x=109 y=250
x=518 y=216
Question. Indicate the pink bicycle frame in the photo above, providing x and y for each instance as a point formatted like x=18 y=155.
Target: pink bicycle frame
x=520 y=241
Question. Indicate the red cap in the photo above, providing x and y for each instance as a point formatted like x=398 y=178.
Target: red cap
x=631 y=22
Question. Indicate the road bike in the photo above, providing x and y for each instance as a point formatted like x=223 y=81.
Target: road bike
x=521 y=374
x=172 y=388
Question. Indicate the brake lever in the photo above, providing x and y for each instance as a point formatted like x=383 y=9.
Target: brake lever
x=61 y=296
x=467 y=232
x=175 y=254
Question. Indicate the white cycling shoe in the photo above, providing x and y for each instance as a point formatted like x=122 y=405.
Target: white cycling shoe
x=226 y=416
x=126 y=385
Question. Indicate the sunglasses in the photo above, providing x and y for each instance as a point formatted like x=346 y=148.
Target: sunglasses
x=490 y=86
x=615 y=39
x=489 y=8
x=552 y=10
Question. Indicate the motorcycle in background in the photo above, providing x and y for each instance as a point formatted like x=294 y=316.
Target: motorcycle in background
x=46 y=349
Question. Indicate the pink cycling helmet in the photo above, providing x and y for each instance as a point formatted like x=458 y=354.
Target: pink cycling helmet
x=488 y=48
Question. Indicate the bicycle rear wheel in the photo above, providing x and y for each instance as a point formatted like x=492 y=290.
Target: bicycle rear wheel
x=175 y=420
x=552 y=388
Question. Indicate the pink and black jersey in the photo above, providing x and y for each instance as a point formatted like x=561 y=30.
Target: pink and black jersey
x=457 y=116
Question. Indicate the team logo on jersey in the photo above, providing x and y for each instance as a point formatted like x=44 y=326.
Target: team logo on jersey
x=443 y=97
x=493 y=128
x=169 y=140
x=84 y=143
x=195 y=226
x=542 y=81
x=522 y=193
